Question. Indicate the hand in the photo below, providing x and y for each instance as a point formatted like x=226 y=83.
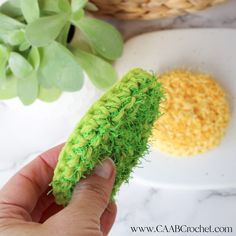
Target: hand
x=26 y=209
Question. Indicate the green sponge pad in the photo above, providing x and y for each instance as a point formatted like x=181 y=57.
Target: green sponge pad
x=118 y=126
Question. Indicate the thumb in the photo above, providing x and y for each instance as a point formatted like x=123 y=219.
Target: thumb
x=91 y=196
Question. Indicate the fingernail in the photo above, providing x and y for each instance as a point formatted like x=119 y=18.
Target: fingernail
x=105 y=169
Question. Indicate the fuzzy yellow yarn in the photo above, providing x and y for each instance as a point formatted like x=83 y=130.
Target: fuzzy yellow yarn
x=195 y=114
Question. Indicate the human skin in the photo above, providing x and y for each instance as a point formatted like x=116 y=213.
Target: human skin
x=26 y=208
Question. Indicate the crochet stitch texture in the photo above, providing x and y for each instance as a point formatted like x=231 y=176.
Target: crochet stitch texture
x=118 y=126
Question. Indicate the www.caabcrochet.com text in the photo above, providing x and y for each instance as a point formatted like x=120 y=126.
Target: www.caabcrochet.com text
x=182 y=229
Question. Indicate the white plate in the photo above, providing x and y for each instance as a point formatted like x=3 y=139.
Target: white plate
x=212 y=51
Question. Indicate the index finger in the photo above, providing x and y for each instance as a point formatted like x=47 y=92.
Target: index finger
x=24 y=189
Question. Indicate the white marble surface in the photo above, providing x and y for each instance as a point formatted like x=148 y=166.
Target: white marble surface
x=138 y=205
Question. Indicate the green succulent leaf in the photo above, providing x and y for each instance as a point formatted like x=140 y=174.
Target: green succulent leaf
x=30 y=10
x=76 y=16
x=24 y=46
x=80 y=41
x=19 y=66
x=103 y=37
x=44 y=30
x=11 y=8
x=4 y=55
x=44 y=81
x=49 y=95
x=8 y=23
x=91 y=7
x=27 y=89
x=2 y=75
x=59 y=66
x=8 y=27
x=16 y=37
x=78 y=4
x=63 y=36
x=49 y=6
x=64 y=6
x=8 y=89
x=100 y=72
x=34 y=58
x=55 y=6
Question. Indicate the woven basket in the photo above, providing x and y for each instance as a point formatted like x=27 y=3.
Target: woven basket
x=151 y=9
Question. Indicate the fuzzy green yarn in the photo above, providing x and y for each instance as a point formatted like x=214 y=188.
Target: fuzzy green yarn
x=118 y=126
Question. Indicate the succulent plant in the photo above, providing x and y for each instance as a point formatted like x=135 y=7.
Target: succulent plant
x=36 y=59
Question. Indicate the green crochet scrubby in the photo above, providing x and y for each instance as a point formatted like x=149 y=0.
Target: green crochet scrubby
x=118 y=126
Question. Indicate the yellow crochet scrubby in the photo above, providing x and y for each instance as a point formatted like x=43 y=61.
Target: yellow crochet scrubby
x=118 y=126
